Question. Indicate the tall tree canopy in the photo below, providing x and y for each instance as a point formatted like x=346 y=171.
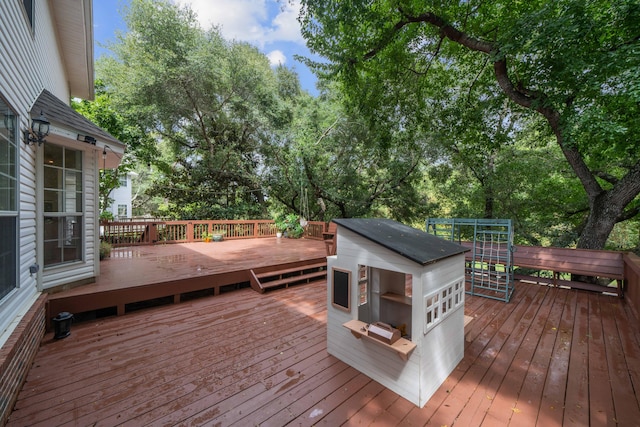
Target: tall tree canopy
x=575 y=63
x=209 y=104
x=344 y=167
x=232 y=136
x=102 y=112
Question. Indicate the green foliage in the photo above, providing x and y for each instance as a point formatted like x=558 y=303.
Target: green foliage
x=208 y=104
x=106 y=215
x=289 y=225
x=447 y=68
x=345 y=167
x=105 y=249
x=102 y=112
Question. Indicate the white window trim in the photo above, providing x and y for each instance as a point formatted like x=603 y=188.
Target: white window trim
x=439 y=304
x=41 y=214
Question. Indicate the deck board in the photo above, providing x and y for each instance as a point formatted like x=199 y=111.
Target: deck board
x=601 y=411
x=551 y=356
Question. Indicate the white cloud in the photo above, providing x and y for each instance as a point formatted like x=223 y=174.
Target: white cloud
x=276 y=57
x=254 y=21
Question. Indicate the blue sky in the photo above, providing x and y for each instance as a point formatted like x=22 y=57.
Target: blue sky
x=270 y=25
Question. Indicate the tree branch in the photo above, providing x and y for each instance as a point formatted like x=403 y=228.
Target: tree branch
x=628 y=214
x=607 y=177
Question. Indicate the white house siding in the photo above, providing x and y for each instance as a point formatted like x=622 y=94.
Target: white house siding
x=30 y=62
x=420 y=376
x=52 y=71
x=121 y=196
x=18 y=60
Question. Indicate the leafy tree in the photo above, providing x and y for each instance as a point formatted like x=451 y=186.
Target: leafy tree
x=209 y=104
x=575 y=63
x=343 y=166
x=102 y=112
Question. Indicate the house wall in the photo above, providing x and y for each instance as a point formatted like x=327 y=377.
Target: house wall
x=30 y=61
x=17 y=355
x=33 y=60
x=437 y=352
x=53 y=75
x=121 y=196
x=23 y=57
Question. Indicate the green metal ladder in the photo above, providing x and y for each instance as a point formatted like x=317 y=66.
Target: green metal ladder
x=489 y=272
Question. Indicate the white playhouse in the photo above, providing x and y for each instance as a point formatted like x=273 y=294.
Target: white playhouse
x=396 y=305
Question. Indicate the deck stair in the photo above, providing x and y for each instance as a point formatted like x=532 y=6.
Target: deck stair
x=288 y=275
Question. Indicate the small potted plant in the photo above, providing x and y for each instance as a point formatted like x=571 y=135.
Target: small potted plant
x=207 y=237
x=290 y=226
x=105 y=250
x=217 y=236
x=281 y=225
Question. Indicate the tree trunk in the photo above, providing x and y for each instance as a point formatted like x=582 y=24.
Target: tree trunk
x=488 y=202
x=606 y=207
x=599 y=223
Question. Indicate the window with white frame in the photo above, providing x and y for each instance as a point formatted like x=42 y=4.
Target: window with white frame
x=8 y=200
x=63 y=205
x=440 y=304
x=122 y=211
x=122 y=180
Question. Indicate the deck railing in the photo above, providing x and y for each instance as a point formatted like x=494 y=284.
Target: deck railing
x=133 y=233
x=632 y=281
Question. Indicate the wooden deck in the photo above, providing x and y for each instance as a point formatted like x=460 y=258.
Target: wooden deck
x=134 y=276
x=550 y=357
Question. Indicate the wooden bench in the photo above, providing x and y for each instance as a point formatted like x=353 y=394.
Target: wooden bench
x=329 y=237
x=580 y=262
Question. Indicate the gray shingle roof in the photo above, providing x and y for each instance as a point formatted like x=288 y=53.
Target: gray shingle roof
x=58 y=112
x=411 y=243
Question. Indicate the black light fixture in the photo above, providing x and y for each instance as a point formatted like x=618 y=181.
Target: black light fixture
x=87 y=138
x=104 y=157
x=38 y=131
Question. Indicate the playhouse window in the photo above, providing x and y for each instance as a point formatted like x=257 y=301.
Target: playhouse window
x=438 y=305
x=385 y=296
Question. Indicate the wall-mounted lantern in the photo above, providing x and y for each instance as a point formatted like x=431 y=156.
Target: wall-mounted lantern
x=38 y=131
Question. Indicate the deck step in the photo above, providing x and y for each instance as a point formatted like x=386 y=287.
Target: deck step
x=268 y=274
x=301 y=274
x=291 y=280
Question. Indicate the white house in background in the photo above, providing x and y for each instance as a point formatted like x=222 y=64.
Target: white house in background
x=48 y=188
x=122 y=198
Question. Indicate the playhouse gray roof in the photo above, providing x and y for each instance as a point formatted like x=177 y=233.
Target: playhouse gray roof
x=416 y=245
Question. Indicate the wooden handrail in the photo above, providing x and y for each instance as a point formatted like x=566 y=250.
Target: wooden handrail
x=135 y=233
x=632 y=282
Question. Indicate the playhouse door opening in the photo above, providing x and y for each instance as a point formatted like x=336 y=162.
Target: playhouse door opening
x=385 y=296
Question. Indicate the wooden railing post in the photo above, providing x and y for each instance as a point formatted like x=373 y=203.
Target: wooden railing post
x=153 y=233
x=190 y=237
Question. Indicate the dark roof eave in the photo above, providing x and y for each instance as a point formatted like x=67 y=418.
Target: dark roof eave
x=56 y=111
